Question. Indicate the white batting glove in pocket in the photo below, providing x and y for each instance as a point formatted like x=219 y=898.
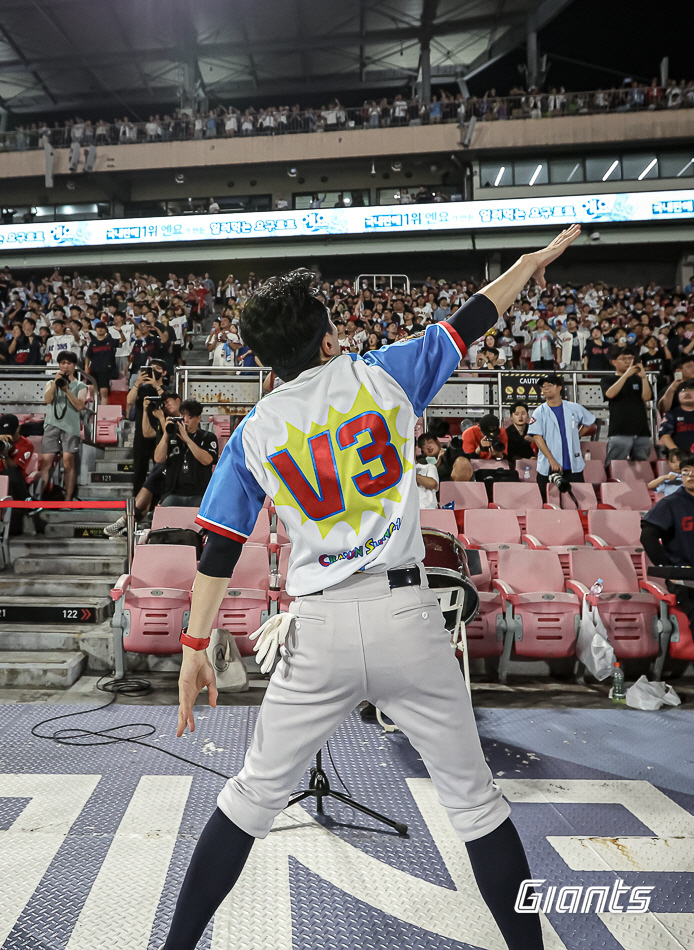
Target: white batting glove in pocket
x=271 y=637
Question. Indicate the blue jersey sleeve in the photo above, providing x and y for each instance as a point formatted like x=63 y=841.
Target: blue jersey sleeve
x=233 y=498
x=422 y=364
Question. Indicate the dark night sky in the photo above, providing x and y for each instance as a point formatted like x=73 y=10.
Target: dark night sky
x=618 y=40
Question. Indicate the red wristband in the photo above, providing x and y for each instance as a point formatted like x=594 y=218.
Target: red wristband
x=195 y=643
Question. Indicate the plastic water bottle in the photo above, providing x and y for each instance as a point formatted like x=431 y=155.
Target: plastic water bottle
x=619 y=694
x=596 y=588
x=526 y=476
x=587 y=456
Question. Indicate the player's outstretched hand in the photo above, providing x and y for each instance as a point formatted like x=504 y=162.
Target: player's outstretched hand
x=553 y=250
x=196 y=674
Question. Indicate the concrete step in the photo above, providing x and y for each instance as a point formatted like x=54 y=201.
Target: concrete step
x=112 y=478
x=105 y=492
x=46 y=636
x=63 y=586
x=114 y=466
x=41 y=669
x=90 y=566
x=79 y=516
x=117 y=453
x=66 y=547
x=86 y=529
x=55 y=611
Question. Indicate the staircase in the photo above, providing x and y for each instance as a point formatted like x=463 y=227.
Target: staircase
x=55 y=604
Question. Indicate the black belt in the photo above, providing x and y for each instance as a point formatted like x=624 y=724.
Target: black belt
x=400 y=577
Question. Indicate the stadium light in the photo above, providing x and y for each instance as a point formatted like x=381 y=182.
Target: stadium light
x=535 y=174
x=500 y=175
x=610 y=169
x=573 y=171
x=647 y=169
x=683 y=170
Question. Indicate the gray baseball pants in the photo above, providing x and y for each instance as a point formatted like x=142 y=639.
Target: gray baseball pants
x=358 y=641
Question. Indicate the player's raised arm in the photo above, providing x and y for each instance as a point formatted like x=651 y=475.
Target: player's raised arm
x=471 y=320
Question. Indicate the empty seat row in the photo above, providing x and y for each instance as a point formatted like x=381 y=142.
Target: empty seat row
x=525 y=496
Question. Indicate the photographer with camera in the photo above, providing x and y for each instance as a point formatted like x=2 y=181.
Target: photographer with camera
x=149 y=382
x=189 y=453
x=557 y=426
x=15 y=456
x=486 y=440
x=156 y=411
x=65 y=398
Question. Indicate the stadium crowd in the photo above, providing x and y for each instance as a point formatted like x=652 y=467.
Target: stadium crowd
x=227 y=121
x=139 y=328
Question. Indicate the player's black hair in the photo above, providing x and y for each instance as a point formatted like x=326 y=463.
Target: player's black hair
x=281 y=320
x=191 y=406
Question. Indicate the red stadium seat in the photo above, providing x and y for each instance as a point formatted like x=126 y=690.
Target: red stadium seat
x=439 y=518
x=247 y=602
x=520 y=497
x=492 y=530
x=478 y=464
x=174 y=518
x=618 y=530
x=629 y=614
x=597 y=450
x=624 y=470
x=594 y=472
x=107 y=421
x=155 y=596
x=484 y=633
x=554 y=530
x=463 y=494
x=542 y=620
x=530 y=465
x=630 y=495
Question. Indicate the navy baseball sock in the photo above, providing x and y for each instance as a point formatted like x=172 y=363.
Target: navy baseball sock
x=217 y=862
x=499 y=863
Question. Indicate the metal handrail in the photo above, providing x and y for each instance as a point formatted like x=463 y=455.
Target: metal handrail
x=402 y=278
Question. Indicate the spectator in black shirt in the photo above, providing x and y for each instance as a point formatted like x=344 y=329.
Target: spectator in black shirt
x=520 y=444
x=145 y=348
x=677 y=428
x=595 y=352
x=684 y=370
x=149 y=382
x=189 y=453
x=100 y=359
x=628 y=392
x=24 y=348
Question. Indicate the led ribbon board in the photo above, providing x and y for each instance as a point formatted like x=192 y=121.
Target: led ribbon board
x=386 y=219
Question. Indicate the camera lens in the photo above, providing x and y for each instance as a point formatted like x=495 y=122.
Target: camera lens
x=171 y=428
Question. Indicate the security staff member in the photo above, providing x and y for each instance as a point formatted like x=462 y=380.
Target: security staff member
x=189 y=453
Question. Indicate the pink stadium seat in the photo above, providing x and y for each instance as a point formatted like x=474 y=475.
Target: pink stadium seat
x=517 y=496
x=628 y=613
x=598 y=450
x=174 y=518
x=542 y=620
x=624 y=470
x=594 y=472
x=478 y=464
x=662 y=467
x=463 y=494
x=221 y=426
x=155 y=596
x=618 y=530
x=484 y=633
x=247 y=601
x=554 y=530
x=630 y=495
x=441 y=519
x=107 y=420
x=531 y=465
x=282 y=566
x=492 y=530
x=261 y=531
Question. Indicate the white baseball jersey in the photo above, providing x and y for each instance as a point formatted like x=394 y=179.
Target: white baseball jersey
x=334 y=449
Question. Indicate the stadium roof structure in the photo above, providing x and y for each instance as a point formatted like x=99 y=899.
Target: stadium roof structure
x=127 y=55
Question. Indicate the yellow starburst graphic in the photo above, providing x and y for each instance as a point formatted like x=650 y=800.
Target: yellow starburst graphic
x=340 y=469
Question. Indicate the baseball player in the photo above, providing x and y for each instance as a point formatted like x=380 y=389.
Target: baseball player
x=334 y=448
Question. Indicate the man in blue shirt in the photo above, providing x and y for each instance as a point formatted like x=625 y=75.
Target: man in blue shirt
x=557 y=426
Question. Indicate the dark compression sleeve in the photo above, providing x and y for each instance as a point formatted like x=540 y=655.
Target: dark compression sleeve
x=474 y=318
x=219 y=556
x=652 y=542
